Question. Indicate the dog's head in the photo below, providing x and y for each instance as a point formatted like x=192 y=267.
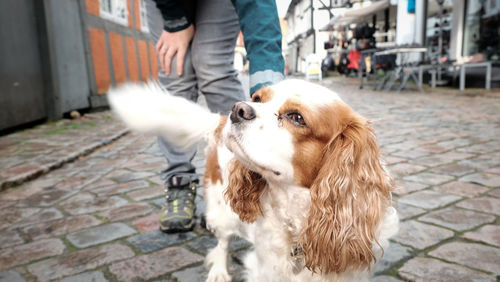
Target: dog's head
x=301 y=134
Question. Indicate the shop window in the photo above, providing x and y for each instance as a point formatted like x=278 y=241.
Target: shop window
x=438 y=29
x=144 y=16
x=482 y=30
x=114 y=10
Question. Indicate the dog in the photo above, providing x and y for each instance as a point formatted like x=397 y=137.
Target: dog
x=295 y=171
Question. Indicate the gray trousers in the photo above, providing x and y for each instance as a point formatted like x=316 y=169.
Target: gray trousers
x=208 y=69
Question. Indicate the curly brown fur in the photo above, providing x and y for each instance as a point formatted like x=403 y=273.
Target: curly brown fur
x=348 y=200
x=243 y=192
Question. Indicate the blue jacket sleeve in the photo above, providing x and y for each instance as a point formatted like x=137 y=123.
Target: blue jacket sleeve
x=261 y=29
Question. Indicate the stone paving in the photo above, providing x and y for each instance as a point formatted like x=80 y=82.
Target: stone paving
x=91 y=212
x=30 y=153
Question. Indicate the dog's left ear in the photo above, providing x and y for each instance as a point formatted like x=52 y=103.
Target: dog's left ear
x=348 y=200
x=243 y=192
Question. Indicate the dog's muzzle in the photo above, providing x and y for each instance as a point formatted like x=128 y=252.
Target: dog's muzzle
x=242 y=112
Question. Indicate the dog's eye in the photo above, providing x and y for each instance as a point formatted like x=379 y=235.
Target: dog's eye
x=296 y=118
x=256 y=99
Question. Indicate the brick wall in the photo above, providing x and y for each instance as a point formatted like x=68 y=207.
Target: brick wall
x=118 y=52
x=100 y=59
x=92 y=7
x=117 y=56
x=132 y=59
x=137 y=14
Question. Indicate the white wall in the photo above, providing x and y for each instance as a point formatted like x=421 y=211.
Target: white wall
x=321 y=19
x=405 y=24
x=457 y=23
x=420 y=22
x=410 y=26
x=321 y=37
x=305 y=50
x=300 y=20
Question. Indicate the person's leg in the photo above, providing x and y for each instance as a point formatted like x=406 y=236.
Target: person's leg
x=179 y=174
x=186 y=86
x=217 y=28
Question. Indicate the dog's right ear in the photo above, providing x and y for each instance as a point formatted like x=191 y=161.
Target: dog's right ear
x=243 y=192
x=349 y=198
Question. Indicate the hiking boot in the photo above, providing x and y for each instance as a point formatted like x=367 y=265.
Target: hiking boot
x=177 y=215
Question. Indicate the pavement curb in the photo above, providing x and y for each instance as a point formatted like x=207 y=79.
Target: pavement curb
x=30 y=175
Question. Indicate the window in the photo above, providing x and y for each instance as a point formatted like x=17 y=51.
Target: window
x=106 y=7
x=439 y=25
x=144 y=16
x=114 y=10
x=482 y=29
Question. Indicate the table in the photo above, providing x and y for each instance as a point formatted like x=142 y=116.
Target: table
x=366 y=53
x=404 y=71
x=463 y=67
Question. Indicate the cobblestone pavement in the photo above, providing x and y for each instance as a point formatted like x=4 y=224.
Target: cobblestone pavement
x=95 y=218
x=27 y=154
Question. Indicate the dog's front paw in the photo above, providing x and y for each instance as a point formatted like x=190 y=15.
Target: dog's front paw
x=218 y=275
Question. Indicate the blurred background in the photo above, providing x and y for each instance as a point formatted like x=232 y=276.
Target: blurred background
x=58 y=56
x=80 y=194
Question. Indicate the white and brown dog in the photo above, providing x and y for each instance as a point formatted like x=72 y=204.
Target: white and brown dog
x=296 y=171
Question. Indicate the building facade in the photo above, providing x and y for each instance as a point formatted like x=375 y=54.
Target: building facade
x=470 y=29
x=457 y=31
x=304 y=20
x=59 y=55
x=318 y=26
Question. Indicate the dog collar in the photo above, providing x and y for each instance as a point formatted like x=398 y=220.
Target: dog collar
x=297 y=259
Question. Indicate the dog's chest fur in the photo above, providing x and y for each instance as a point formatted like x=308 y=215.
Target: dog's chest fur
x=277 y=232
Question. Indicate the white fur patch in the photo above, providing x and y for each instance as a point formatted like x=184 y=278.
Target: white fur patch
x=310 y=94
x=149 y=109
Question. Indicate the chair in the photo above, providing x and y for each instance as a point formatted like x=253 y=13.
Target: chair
x=464 y=67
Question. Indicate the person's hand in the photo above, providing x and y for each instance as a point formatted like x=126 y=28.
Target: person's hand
x=172 y=43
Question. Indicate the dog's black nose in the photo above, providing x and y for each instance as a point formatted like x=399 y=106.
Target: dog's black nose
x=242 y=111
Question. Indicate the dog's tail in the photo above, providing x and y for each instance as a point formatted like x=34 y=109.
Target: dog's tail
x=149 y=109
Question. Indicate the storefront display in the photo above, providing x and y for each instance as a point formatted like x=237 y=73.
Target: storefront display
x=482 y=30
x=439 y=19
